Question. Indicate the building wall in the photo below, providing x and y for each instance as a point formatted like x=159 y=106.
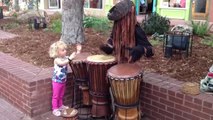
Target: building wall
x=211 y=11
x=107 y=4
x=172 y=12
x=99 y=12
x=44 y=4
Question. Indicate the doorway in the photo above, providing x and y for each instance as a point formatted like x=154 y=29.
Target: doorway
x=200 y=9
x=54 y=4
x=145 y=6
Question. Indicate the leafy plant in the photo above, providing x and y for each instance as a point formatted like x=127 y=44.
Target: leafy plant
x=156 y=24
x=56 y=25
x=200 y=28
x=6 y=2
x=98 y=24
x=11 y=25
x=155 y=42
x=208 y=40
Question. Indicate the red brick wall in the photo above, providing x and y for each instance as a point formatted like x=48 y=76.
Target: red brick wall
x=27 y=87
x=162 y=99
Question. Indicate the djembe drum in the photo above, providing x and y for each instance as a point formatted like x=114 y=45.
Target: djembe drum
x=125 y=82
x=78 y=65
x=99 y=87
x=70 y=114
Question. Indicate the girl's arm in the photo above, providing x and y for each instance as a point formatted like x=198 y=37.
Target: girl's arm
x=61 y=62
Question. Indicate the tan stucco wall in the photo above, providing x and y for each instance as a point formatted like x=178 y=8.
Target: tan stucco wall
x=44 y=4
x=95 y=12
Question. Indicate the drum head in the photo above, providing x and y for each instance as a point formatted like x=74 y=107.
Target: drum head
x=101 y=58
x=124 y=70
x=81 y=57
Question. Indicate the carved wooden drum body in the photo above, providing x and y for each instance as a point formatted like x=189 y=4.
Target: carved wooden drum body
x=97 y=66
x=125 y=80
x=78 y=66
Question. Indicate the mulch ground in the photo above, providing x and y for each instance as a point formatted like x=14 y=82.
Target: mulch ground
x=32 y=46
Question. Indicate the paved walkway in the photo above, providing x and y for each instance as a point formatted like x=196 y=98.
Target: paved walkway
x=9 y=112
x=6 y=35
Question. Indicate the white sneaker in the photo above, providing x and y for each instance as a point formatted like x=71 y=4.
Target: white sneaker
x=57 y=112
x=63 y=107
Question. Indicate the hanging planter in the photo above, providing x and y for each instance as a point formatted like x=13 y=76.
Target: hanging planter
x=178 y=41
x=180 y=38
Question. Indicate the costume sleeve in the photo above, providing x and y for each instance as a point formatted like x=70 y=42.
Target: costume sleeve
x=142 y=41
x=108 y=47
x=140 y=36
x=109 y=41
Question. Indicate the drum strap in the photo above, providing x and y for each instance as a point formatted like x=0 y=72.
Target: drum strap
x=127 y=106
x=100 y=95
x=81 y=79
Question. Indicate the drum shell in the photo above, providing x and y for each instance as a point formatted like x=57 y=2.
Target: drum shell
x=99 y=86
x=126 y=91
x=79 y=71
x=125 y=81
x=78 y=66
x=128 y=114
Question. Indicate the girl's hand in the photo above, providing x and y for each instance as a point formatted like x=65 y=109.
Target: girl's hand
x=72 y=55
x=78 y=48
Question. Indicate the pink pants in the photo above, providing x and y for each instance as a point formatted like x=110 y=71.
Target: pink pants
x=58 y=94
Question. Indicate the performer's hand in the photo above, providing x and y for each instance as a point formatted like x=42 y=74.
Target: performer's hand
x=136 y=53
x=149 y=51
x=106 y=49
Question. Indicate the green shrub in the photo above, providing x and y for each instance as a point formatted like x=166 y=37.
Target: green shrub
x=56 y=25
x=11 y=25
x=98 y=24
x=200 y=28
x=55 y=16
x=156 y=23
x=208 y=40
x=155 y=42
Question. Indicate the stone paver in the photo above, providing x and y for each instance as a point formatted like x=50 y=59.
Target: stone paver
x=6 y=35
x=9 y=112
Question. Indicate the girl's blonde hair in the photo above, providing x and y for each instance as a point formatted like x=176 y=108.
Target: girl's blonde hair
x=53 y=51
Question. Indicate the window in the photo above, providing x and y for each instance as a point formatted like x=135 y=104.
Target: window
x=93 y=4
x=174 y=3
x=200 y=6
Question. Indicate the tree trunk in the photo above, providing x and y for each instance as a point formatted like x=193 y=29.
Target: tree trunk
x=72 y=21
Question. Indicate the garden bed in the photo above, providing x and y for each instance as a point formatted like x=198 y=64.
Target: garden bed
x=32 y=46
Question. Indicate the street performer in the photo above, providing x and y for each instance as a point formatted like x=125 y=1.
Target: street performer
x=127 y=40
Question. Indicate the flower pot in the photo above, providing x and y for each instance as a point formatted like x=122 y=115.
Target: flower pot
x=180 y=42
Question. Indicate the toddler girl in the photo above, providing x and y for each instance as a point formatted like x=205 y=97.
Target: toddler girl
x=58 y=52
